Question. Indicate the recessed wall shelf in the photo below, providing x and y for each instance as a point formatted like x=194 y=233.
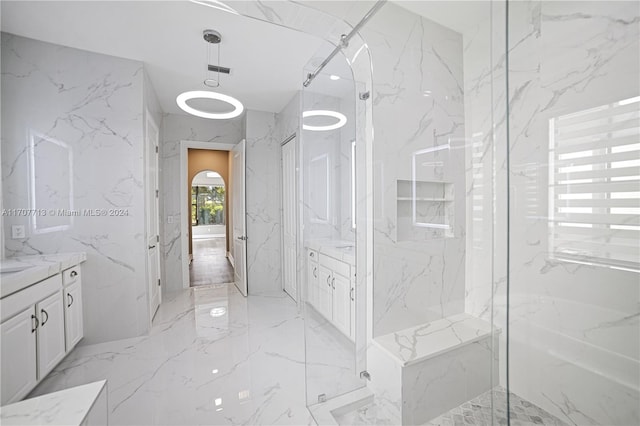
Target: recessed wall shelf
x=425 y=210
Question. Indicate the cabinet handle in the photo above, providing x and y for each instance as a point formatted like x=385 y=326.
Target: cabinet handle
x=73 y=274
x=152 y=247
x=33 y=328
x=69 y=296
x=333 y=283
x=44 y=321
x=329 y=280
x=315 y=272
x=351 y=293
x=311 y=254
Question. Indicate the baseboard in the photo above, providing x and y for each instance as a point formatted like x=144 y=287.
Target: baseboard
x=231 y=259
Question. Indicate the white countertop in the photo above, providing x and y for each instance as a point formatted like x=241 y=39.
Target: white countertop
x=339 y=249
x=36 y=268
x=65 y=407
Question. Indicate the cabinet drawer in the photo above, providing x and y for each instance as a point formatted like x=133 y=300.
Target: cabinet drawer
x=71 y=275
x=337 y=266
x=11 y=305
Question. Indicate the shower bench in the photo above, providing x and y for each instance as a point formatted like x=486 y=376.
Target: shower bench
x=426 y=370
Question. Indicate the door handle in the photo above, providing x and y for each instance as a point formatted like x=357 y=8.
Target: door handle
x=69 y=296
x=33 y=328
x=152 y=247
x=242 y=238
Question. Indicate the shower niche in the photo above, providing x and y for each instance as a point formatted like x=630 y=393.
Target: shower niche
x=425 y=210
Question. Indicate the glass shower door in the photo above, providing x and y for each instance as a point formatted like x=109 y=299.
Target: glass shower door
x=333 y=318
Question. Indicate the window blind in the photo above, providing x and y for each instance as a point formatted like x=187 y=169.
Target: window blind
x=594 y=185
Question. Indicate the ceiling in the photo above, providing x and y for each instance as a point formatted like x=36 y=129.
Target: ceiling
x=266 y=60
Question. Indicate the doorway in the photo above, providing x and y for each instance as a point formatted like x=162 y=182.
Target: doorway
x=208 y=230
x=208 y=224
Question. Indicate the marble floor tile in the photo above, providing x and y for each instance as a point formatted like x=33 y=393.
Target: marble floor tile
x=210 y=264
x=212 y=357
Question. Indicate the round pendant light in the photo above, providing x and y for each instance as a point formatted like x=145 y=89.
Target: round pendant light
x=202 y=94
x=342 y=120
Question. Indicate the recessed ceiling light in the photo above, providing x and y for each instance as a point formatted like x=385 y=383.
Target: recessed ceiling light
x=201 y=94
x=334 y=77
x=342 y=120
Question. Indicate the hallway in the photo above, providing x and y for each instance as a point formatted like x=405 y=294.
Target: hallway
x=210 y=264
x=212 y=357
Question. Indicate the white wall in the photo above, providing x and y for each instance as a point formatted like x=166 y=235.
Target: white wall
x=415 y=282
x=94 y=104
x=175 y=128
x=263 y=206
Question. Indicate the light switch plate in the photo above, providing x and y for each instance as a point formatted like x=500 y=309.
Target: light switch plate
x=17 y=232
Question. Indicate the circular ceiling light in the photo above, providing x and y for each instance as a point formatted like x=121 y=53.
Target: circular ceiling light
x=201 y=94
x=342 y=120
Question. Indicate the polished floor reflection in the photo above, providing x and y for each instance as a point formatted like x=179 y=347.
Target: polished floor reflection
x=210 y=264
x=212 y=357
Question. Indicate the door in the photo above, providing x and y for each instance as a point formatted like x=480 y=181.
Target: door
x=73 y=315
x=325 y=292
x=51 y=344
x=239 y=217
x=289 y=234
x=341 y=303
x=153 y=233
x=18 y=352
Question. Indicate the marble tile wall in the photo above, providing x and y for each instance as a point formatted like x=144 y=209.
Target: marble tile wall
x=93 y=104
x=575 y=328
x=417 y=104
x=175 y=128
x=263 y=203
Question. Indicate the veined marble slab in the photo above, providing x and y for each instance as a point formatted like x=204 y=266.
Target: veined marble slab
x=65 y=407
x=37 y=268
x=416 y=344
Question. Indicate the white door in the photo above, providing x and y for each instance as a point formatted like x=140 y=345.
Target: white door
x=73 y=314
x=18 y=352
x=153 y=246
x=239 y=217
x=289 y=234
x=341 y=303
x=51 y=344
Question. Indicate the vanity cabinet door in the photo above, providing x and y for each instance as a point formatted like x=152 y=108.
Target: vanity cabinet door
x=312 y=283
x=73 y=314
x=18 y=353
x=352 y=302
x=325 y=292
x=51 y=342
x=341 y=303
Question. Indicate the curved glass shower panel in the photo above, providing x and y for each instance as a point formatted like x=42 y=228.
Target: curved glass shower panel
x=329 y=233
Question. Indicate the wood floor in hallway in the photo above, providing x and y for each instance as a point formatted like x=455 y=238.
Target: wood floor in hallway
x=210 y=264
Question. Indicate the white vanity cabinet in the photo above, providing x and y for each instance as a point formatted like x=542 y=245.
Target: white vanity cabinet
x=71 y=279
x=19 y=371
x=40 y=324
x=50 y=333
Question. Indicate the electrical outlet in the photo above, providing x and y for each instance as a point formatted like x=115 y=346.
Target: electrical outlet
x=17 y=232
x=169 y=219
